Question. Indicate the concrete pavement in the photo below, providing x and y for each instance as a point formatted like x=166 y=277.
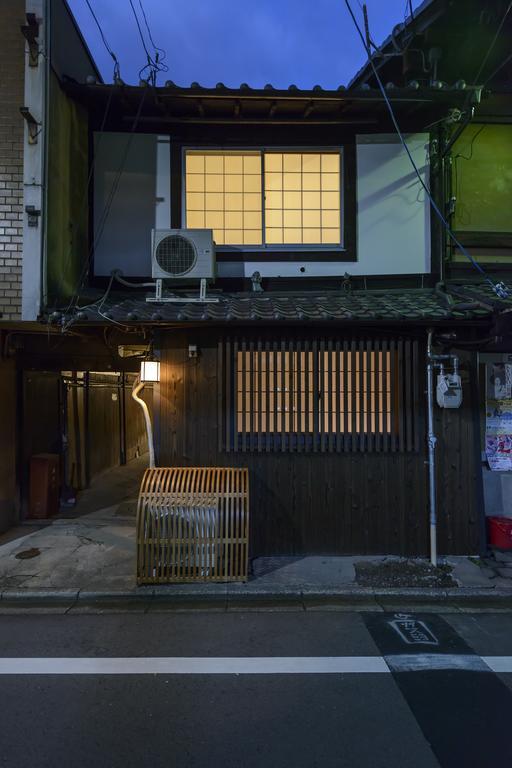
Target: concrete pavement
x=93 y=558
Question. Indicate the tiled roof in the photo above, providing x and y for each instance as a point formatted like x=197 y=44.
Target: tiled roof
x=300 y=307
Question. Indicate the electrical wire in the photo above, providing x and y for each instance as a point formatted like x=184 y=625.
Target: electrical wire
x=499 y=288
x=152 y=64
x=158 y=59
x=459 y=155
x=106 y=210
x=493 y=43
x=117 y=70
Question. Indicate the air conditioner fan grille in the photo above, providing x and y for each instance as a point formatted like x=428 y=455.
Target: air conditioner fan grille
x=175 y=255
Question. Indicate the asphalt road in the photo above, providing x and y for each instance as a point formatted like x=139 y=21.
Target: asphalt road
x=279 y=689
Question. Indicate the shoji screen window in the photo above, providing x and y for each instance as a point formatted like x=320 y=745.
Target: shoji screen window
x=272 y=199
x=223 y=193
x=302 y=198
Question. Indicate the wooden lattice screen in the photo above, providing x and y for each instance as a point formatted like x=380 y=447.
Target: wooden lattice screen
x=325 y=394
x=193 y=525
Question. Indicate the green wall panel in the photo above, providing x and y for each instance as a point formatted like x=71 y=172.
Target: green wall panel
x=67 y=222
x=482 y=179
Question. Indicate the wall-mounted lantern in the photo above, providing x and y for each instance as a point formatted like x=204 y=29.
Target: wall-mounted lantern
x=150 y=371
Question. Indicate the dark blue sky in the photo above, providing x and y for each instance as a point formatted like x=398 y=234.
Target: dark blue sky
x=306 y=42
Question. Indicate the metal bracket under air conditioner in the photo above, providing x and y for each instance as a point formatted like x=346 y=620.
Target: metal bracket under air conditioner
x=159 y=298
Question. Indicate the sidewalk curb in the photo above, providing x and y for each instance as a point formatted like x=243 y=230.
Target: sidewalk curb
x=177 y=595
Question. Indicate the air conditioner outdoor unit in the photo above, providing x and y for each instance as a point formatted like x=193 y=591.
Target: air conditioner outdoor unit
x=182 y=254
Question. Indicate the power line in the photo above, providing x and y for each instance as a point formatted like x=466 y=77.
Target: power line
x=105 y=43
x=155 y=46
x=493 y=43
x=499 y=288
x=104 y=216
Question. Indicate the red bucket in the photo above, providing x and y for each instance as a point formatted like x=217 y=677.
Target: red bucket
x=500 y=532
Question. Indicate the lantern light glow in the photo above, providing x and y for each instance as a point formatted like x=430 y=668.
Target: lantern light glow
x=150 y=371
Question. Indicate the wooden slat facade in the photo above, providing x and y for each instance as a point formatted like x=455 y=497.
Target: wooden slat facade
x=364 y=492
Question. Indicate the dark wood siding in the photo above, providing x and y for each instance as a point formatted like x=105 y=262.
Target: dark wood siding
x=325 y=503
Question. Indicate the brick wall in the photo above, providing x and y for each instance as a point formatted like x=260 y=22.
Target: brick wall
x=12 y=66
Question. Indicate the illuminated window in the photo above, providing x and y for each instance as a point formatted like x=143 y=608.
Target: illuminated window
x=302 y=196
x=290 y=391
x=223 y=191
x=320 y=394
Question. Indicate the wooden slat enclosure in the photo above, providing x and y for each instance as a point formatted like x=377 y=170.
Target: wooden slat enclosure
x=193 y=525
x=318 y=395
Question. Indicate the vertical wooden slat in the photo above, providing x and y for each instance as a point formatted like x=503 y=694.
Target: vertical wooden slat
x=251 y=395
x=232 y=382
x=400 y=396
x=220 y=393
x=268 y=434
x=353 y=395
x=291 y=397
x=408 y=396
x=322 y=404
x=307 y=397
x=331 y=412
x=282 y=358
x=316 y=399
x=393 y=384
x=274 y=390
x=298 y=397
x=370 y=436
x=338 y=403
x=385 y=386
x=346 y=398
x=259 y=391
x=244 y=396
x=416 y=395
x=360 y=399
x=377 y=389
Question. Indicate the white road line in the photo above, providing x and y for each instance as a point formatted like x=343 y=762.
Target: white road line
x=432 y=661
x=253 y=665
x=499 y=663
x=286 y=665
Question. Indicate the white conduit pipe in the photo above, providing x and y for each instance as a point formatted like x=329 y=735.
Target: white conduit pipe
x=431 y=441
x=138 y=386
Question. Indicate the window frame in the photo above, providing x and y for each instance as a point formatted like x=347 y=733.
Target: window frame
x=402 y=380
x=264 y=247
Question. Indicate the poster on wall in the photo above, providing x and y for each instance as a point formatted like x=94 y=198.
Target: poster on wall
x=498 y=424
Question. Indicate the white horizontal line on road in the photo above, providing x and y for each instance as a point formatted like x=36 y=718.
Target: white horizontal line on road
x=499 y=663
x=253 y=665
x=431 y=661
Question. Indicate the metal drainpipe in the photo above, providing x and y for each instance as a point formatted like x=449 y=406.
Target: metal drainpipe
x=431 y=440
x=138 y=386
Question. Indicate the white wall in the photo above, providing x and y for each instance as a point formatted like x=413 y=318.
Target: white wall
x=393 y=214
x=393 y=217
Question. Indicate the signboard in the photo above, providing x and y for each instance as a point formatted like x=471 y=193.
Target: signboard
x=498 y=417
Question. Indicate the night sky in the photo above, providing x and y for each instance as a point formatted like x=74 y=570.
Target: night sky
x=305 y=42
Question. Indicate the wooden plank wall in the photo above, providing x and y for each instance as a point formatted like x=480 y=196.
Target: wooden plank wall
x=9 y=495
x=319 y=502
x=459 y=467
x=104 y=423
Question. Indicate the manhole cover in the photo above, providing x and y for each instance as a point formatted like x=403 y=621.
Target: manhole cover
x=26 y=554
